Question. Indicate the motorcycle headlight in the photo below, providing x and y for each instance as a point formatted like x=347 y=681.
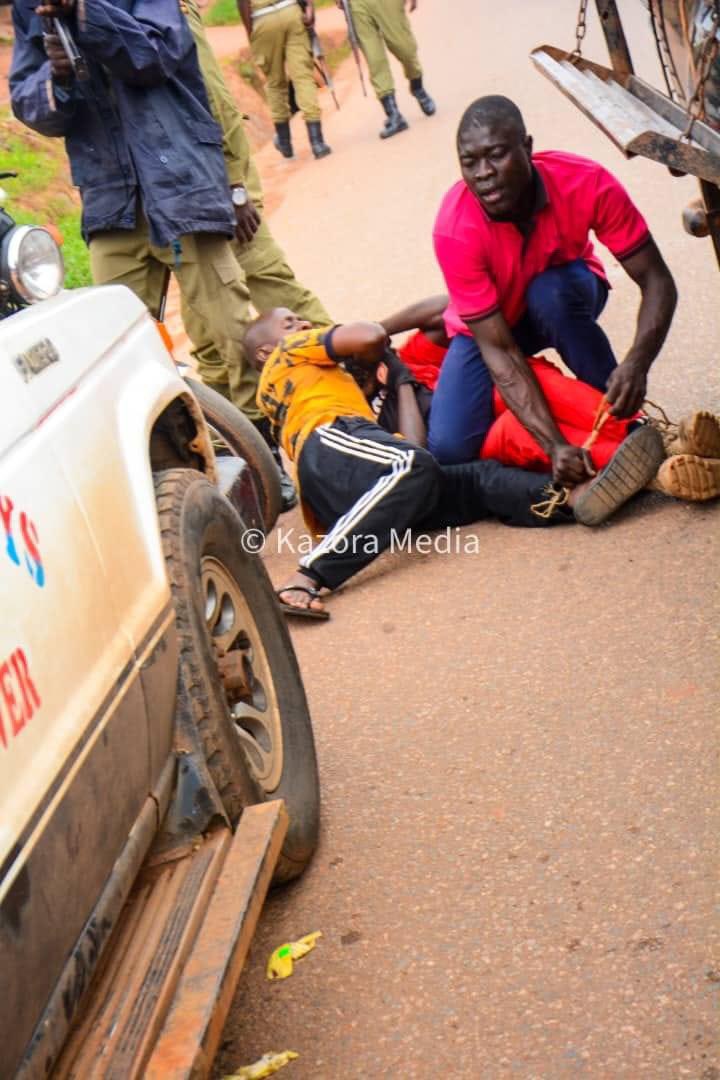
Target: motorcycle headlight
x=32 y=264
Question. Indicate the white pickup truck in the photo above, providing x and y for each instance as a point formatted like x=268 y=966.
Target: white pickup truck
x=157 y=765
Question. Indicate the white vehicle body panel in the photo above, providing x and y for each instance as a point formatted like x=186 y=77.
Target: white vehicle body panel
x=81 y=568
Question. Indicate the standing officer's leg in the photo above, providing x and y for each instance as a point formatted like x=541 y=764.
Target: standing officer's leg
x=209 y=361
x=298 y=56
x=272 y=282
x=267 y=43
x=124 y=257
x=365 y=18
x=395 y=27
x=563 y=304
x=214 y=290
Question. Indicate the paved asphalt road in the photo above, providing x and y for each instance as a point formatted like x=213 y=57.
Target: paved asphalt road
x=518 y=743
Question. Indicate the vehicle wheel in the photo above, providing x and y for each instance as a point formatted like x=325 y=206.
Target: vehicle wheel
x=234 y=432
x=237 y=664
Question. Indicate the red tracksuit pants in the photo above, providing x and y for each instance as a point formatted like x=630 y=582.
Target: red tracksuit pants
x=573 y=405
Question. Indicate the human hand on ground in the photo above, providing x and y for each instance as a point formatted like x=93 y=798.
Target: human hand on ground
x=570 y=464
x=247 y=221
x=626 y=389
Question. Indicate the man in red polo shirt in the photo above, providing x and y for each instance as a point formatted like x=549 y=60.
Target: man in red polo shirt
x=512 y=239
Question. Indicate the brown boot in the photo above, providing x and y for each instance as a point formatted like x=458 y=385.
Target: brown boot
x=698 y=434
x=688 y=476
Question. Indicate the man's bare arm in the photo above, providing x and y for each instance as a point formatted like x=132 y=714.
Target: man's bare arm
x=422 y=315
x=521 y=392
x=627 y=385
x=410 y=421
x=245 y=12
x=363 y=340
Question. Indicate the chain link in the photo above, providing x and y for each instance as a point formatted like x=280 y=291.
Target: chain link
x=708 y=56
x=670 y=75
x=580 y=30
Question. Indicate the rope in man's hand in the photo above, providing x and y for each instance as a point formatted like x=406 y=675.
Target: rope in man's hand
x=559 y=496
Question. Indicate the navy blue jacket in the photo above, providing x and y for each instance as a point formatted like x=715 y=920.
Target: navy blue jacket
x=141 y=127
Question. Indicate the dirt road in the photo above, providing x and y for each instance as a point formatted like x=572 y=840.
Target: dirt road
x=517 y=744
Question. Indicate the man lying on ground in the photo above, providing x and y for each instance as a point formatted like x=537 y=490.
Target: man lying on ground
x=691 y=471
x=360 y=485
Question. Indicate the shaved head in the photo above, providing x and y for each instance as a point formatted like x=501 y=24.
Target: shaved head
x=268 y=330
x=262 y=331
x=492 y=111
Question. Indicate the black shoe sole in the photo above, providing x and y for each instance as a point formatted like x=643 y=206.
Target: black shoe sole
x=428 y=107
x=385 y=134
x=631 y=468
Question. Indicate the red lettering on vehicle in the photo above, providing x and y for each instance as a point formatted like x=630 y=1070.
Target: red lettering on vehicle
x=19 y=699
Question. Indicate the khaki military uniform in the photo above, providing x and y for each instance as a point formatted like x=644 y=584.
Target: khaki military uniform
x=212 y=285
x=269 y=279
x=281 y=49
x=381 y=23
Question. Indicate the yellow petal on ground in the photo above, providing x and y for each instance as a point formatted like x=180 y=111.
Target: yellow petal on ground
x=266 y=1066
x=280 y=964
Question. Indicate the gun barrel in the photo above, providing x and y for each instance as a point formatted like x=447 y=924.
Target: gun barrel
x=354 y=42
x=76 y=58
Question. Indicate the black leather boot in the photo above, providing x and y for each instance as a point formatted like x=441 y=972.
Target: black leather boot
x=282 y=140
x=317 y=144
x=395 y=122
x=418 y=91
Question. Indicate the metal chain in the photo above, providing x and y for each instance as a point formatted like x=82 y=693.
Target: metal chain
x=696 y=104
x=670 y=75
x=580 y=30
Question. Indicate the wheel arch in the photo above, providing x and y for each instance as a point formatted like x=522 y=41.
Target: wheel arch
x=179 y=438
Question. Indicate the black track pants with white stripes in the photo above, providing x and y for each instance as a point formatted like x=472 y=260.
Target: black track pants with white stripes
x=487 y=489
x=363 y=483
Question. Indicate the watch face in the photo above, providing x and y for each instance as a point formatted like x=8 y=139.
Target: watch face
x=239 y=196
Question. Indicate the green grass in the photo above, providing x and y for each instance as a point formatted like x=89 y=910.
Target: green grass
x=222 y=13
x=37 y=169
x=33 y=199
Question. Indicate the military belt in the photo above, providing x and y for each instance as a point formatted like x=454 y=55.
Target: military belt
x=272 y=7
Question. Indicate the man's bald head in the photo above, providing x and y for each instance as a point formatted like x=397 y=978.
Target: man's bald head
x=494 y=111
x=495 y=154
x=267 y=331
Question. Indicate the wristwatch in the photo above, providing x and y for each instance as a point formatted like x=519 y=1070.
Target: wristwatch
x=239 y=196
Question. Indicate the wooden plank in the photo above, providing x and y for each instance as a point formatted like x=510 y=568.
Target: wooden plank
x=634 y=116
x=189 y=1039
x=571 y=83
x=702 y=133
x=683 y=156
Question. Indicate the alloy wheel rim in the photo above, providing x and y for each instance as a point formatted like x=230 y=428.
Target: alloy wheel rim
x=250 y=691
